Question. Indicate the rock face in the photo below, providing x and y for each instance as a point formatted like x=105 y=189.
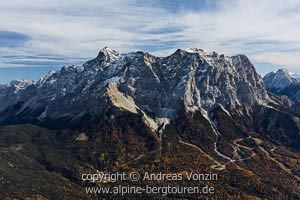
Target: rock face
x=187 y=80
x=282 y=83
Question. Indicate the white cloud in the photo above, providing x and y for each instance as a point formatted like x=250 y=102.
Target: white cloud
x=263 y=29
x=280 y=59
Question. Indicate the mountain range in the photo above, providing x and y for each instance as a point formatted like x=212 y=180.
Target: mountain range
x=190 y=111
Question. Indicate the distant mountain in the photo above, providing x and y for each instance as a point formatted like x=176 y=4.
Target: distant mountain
x=283 y=83
x=279 y=80
x=190 y=111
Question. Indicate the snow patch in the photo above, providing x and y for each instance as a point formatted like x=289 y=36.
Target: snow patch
x=162 y=122
x=114 y=79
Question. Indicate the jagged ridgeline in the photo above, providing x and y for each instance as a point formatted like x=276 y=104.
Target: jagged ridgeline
x=192 y=110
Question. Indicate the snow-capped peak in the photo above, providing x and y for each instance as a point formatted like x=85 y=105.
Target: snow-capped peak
x=279 y=79
x=108 y=54
x=193 y=50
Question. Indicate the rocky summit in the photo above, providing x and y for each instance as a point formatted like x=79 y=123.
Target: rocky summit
x=190 y=111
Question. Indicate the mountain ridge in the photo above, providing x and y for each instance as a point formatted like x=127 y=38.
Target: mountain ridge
x=110 y=66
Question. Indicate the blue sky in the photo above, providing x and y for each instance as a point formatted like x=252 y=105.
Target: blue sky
x=41 y=35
